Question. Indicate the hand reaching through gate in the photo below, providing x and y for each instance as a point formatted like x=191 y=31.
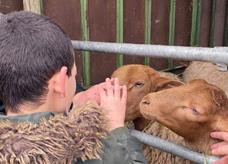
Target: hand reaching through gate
x=221 y=148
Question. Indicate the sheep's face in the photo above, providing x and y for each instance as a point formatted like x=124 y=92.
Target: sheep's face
x=140 y=80
x=186 y=108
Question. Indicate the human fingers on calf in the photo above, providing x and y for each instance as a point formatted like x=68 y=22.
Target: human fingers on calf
x=124 y=94
x=214 y=146
x=221 y=150
x=116 y=88
x=102 y=95
x=109 y=87
x=220 y=135
x=224 y=160
x=112 y=81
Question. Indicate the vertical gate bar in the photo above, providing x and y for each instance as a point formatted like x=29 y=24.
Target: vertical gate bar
x=196 y=13
x=119 y=29
x=147 y=29
x=34 y=6
x=212 y=30
x=225 y=40
x=198 y=23
x=172 y=18
x=42 y=7
x=194 y=22
x=85 y=36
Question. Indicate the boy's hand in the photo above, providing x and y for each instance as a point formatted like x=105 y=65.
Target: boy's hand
x=221 y=148
x=92 y=94
x=113 y=101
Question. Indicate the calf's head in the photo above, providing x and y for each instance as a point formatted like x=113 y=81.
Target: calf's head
x=191 y=110
x=140 y=80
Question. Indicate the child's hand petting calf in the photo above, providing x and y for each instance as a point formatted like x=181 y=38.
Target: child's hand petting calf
x=221 y=148
x=113 y=101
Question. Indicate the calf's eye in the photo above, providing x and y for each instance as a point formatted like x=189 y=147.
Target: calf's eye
x=195 y=112
x=139 y=84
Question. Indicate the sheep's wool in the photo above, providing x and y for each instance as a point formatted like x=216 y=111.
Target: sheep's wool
x=208 y=72
x=159 y=157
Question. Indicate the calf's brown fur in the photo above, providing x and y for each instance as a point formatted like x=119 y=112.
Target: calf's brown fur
x=140 y=80
x=192 y=111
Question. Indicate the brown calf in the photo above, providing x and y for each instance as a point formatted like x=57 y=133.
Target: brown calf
x=140 y=80
x=192 y=111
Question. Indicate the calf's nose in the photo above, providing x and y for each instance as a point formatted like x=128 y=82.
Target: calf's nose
x=145 y=101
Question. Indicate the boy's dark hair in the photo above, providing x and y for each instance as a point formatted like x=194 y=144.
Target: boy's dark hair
x=32 y=50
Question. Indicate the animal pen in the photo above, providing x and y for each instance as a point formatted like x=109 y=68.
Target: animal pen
x=163 y=32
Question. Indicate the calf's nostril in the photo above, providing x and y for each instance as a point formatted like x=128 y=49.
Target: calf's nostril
x=146 y=102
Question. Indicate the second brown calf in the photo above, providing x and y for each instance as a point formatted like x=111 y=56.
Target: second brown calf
x=192 y=111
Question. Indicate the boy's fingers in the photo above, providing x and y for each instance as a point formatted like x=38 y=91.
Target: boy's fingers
x=224 y=160
x=124 y=94
x=214 y=146
x=102 y=94
x=116 y=87
x=222 y=150
x=112 y=81
x=220 y=135
x=109 y=87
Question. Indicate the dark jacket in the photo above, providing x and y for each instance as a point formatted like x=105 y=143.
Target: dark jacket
x=118 y=148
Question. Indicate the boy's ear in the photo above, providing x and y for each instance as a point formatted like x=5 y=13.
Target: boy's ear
x=60 y=80
x=160 y=83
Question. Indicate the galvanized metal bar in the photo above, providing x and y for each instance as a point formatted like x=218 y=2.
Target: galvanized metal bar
x=173 y=148
x=212 y=29
x=195 y=31
x=119 y=29
x=215 y=55
x=147 y=30
x=172 y=18
x=85 y=36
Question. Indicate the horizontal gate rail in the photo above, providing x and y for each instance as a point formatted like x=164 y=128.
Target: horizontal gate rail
x=173 y=148
x=215 y=55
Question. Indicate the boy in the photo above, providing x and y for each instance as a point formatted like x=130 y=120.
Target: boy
x=37 y=76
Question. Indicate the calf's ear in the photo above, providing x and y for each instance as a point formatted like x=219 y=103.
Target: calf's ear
x=219 y=98
x=160 y=83
x=150 y=72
